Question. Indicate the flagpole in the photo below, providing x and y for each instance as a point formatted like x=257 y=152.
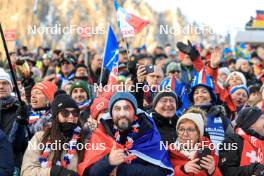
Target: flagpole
x=127 y=49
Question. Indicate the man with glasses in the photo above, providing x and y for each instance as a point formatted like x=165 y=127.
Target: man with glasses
x=8 y=107
x=164 y=114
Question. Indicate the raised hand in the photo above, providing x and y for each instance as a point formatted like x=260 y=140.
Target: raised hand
x=141 y=73
x=190 y=50
x=216 y=57
x=23 y=68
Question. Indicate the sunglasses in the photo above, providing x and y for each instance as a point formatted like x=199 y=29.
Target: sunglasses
x=66 y=113
x=174 y=71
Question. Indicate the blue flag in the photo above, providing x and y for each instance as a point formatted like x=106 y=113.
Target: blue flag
x=149 y=148
x=111 y=51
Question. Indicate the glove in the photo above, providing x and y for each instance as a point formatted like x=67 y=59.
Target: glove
x=22 y=113
x=23 y=68
x=190 y=50
x=259 y=170
x=60 y=171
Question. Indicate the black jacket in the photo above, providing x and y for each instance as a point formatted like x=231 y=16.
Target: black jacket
x=6 y=159
x=16 y=134
x=229 y=161
x=166 y=127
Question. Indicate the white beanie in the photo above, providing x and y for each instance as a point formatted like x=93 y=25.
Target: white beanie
x=239 y=62
x=239 y=74
x=224 y=70
x=195 y=118
x=5 y=76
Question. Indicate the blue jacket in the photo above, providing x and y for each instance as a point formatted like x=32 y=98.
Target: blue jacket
x=6 y=159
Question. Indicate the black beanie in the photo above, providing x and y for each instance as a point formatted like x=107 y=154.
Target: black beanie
x=62 y=101
x=165 y=94
x=247 y=117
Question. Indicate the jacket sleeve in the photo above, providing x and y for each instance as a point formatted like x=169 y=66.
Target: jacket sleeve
x=6 y=159
x=140 y=169
x=178 y=170
x=139 y=94
x=100 y=168
x=230 y=159
x=198 y=63
x=31 y=165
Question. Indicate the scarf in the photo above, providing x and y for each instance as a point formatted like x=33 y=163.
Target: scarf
x=40 y=119
x=6 y=102
x=190 y=153
x=84 y=105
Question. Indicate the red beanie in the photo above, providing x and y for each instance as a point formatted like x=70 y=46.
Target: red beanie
x=47 y=88
x=99 y=104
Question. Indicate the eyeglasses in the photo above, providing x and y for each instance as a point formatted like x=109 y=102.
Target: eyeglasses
x=65 y=63
x=66 y=113
x=189 y=131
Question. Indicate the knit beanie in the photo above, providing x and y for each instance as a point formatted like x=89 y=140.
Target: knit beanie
x=99 y=104
x=62 y=101
x=224 y=70
x=47 y=88
x=5 y=76
x=195 y=118
x=237 y=87
x=165 y=94
x=122 y=96
x=241 y=76
x=80 y=84
x=247 y=117
x=239 y=63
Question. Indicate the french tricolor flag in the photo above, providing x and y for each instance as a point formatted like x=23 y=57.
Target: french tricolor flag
x=129 y=24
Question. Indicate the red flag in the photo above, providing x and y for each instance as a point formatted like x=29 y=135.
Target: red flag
x=98 y=138
x=137 y=23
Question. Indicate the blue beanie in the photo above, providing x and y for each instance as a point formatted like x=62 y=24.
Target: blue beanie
x=235 y=88
x=122 y=96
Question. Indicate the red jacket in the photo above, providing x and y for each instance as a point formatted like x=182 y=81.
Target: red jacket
x=178 y=160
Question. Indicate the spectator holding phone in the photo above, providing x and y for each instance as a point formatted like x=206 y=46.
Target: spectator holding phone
x=190 y=154
x=148 y=79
